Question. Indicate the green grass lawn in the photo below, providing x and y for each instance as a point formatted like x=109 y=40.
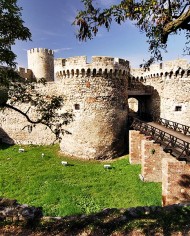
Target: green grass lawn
x=81 y=187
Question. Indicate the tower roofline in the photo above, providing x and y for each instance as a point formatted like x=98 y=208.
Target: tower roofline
x=41 y=50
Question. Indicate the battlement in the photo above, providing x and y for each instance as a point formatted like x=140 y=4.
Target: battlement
x=78 y=60
x=25 y=73
x=179 y=68
x=78 y=66
x=41 y=50
x=109 y=61
x=91 y=73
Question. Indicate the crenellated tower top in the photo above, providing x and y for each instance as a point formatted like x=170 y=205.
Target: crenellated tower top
x=41 y=62
x=41 y=50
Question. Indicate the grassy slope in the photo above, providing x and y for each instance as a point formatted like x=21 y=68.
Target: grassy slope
x=82 y=187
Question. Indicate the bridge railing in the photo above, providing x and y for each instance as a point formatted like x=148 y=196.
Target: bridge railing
x=173 y=125
x=176 y=146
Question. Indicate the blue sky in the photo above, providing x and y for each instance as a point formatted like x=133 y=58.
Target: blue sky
x=50 y=24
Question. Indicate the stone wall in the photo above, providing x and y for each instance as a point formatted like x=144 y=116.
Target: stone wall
x=18 y=219
x=170 y=99
x=170 y=83
x=76 y=66
x=147 y=153
x=12 y=211
x=14 y=128
x=14 y=125
x=98 y=101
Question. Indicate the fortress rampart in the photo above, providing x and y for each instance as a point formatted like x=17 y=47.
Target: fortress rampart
x=97 y=94
x=78 y=66
x=97 y=97
x=172 y=69
x=170 y=89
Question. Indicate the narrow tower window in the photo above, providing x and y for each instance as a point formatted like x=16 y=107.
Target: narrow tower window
x=77 y=106
x=178 y=108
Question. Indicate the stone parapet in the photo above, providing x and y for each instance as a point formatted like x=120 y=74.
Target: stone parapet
x=175 y=69
x=25 y=73
x=12 y=211
x=100 y=66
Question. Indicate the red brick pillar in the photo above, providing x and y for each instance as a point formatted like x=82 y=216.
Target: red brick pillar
x=151 y=166
x=135 y=139
x=175 y=182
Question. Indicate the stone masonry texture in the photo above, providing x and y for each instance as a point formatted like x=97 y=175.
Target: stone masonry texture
x=170 y=86
x=97 y=94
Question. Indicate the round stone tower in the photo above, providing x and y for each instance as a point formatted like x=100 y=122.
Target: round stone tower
x=41 y=62
x=97 y=94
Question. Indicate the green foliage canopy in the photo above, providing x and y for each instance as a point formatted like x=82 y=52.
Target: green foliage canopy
x=11 y=29
x=15 y=90
x=156 y=18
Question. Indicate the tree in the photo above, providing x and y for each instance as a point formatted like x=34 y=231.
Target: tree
x=15 y=90
x=11 y=29
x=157 y=18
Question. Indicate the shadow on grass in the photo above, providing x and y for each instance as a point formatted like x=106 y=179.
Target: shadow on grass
x=4 y=146
x=146 y=220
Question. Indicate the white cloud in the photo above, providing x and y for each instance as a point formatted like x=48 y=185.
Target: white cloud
x=61 y=49
x=51 y=33
x=46 y=33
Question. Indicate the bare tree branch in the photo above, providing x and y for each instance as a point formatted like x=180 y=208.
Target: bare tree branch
x=172 y=26
x=24 y=114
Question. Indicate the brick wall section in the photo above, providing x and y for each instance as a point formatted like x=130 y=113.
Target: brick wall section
x=151 y=165
x=135 y=139
x=175 y=182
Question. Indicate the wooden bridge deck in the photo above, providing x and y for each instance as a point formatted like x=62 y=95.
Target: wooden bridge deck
x=172 y=136
x=174 y=133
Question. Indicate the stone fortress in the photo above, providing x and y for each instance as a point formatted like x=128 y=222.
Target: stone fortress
x=97 y=93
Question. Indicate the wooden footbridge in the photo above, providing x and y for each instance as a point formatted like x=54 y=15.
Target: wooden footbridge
x=172 y=136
